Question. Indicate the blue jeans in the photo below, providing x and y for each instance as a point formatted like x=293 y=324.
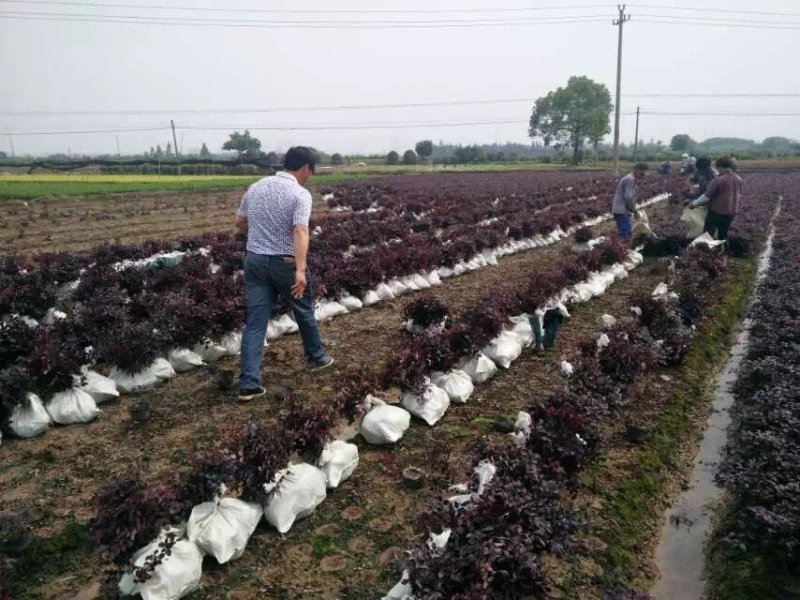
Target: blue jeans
x=623 y=225
x=264 y=278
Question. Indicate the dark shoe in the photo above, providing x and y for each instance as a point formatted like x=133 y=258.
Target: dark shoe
x=247 y=395
x=318 y=366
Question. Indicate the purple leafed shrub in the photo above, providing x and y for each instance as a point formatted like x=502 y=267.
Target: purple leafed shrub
x=261 y=453
x=426 y=311
x=307 y=427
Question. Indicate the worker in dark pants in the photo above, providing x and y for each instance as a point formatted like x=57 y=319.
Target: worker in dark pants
x=722 y=197
x=623 y=207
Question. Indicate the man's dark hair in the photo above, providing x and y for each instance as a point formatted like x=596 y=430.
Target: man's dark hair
x=298 y=157
x=641 y=166
x=726 y=162
x=703 y=163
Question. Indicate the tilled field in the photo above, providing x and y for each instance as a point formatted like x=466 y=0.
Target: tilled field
x=347 y=547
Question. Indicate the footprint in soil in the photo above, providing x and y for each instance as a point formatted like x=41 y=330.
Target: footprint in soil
x=390 y=555
x=332 y=564
x=328 y=530
x=381 y=524
x=360 y=545
x=353 y=513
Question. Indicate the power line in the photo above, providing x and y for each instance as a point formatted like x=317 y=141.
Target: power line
x=194 y=22
x=694 y=9
x=290 y=109
x=719 y=114
x=75 y=132
x=742 y=25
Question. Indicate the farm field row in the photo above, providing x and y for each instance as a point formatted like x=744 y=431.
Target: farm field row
x=336 y=556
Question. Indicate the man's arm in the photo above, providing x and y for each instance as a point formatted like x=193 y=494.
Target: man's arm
x=241 y=223
x=300 y=260
x=630 y=197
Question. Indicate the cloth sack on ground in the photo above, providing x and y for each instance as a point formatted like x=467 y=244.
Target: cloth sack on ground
x=223 y=526
x=232 y=342
x=708 y=241
x=401 y=590
x=480 y=368
x=489 y=257
x=433 y=278
x=397 y=287
x=383 y=424
x=162 y=369
x=384 y=292
x=183 y=359
x=351 y=303
x=484 y=472
x=456 y=383
x=326 y=310
x=294 y=493
x=208 y=351
x=445 y=272
x=282 y=325
x=695 y=219
x=420 y=281
x=504 y=349
x=459 y=269
x=523 y=330
x=338 y=461
x=177 y=576
x=607 y=321
x=370 y=298
x=72 y=406
x=410 y=284
x=99 y=387
x=29 y=418
x=430 y=407
x=143 y=380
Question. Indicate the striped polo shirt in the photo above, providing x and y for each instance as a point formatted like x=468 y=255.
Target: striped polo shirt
x=273 y=206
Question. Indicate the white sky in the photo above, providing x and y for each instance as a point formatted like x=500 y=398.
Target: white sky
x=47 y=65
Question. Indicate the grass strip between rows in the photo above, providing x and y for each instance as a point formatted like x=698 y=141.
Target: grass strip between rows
x=630 y=507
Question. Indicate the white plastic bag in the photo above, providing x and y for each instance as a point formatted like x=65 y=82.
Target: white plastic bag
x=351 y=303
x=327 y=309
x=162 y=369
x=101 y=388
x=489 y=257
x=480 y=368
x=208 y=351
x=383 y=424
x=445 y=272
x=456 y=383
x=397 y=287
x=223 y=526
x=485 y=471
x=370 y=298
x=232 y=342
x=72 y=406
x=401 y=590
x=29 y=418
x=695 y=219
x=183 y=359
x=607 y=321
x=294 y=493
x=522 y=428
x=384 y=292
x=338 y=461
x=410 y=284
x=430 y=407
x=504 y=349
x=524 y=331
x=433 y=278
x=603 y=341
x=708 y=241
x=661 y=291
x=127 y=383
x=567 y=369
x=177 y=576
x=419 y=281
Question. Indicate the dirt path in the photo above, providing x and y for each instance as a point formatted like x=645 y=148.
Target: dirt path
x=50 y=480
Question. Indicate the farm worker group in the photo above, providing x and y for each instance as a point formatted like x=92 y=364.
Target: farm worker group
x=720 y=189
x=274 y=214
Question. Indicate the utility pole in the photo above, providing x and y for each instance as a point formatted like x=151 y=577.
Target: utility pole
x=11 y=143
x=175 y=141
x=636 y=142
x=623 y=18
x=119 y=154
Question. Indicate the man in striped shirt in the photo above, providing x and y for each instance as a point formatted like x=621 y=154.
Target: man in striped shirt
x=274 y=213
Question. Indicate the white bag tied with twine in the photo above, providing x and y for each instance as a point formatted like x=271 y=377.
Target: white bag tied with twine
x=383 y=423
x=177 y=576
x=72 y=406
x=294 y=493
x=223 y=526
x=338 y=461
x=29 y=418
x=430 y=407
x=456 y=383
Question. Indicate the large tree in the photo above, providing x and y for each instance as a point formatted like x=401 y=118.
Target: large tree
x=204 y=153
x=424 y=148
x=682 y=142
x=392 y=158
x=572 y=115
x=243 y=144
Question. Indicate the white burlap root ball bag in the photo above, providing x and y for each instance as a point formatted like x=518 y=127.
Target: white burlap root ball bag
x=383 y=423
x=338 y=461
x=430 y=406
x=29 y=418
x=223 y=526
x=294 y=493
x=456 y=383
x=72 y=406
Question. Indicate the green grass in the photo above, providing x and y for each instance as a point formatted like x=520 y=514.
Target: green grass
x=752 y=575
x=29 y=187
x=630 y=501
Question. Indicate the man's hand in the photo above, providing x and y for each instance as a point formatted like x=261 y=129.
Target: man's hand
x=299 y=287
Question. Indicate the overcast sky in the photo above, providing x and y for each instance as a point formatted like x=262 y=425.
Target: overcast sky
x=102 y=66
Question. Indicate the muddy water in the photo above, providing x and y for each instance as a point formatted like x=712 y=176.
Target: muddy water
x=680 y=555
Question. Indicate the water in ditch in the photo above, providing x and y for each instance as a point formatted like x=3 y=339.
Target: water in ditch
x=680 y=555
